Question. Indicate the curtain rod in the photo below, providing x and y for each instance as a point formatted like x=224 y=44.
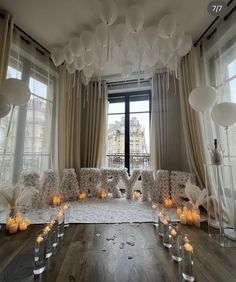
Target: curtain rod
x=212 y=24
x=31 y=38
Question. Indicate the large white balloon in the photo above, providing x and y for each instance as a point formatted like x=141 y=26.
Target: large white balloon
x=134 y=19
x=80 y=63
x=88 y=57
x=108 y=12
x=88 y=71
x=87 y=39
x=16 y=91
x=185 y=45
x=101 y=34
x=150 y=35
x=120 y=34
x=150 y=57
x=167 y=26
x=57 y=56
x=202 y=98
x=71 y=68
x=68 y=56
x=75 y=46
x=224 y=114
x=4 y=106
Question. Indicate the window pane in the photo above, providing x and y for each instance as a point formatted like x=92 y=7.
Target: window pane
x=116 y=141
x=38 y=88
x=13 y=73
x=139 y=141
x=37 y=134
x=116 y=105
x=232 y=69
x=139 y=106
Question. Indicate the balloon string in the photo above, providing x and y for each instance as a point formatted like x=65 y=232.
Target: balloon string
x=108 y=44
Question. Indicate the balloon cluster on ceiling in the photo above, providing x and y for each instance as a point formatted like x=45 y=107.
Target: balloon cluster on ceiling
x=128 y=46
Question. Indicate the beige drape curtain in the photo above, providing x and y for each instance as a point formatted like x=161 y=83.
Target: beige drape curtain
x=69 y=120
x=159 y=121
x=93 y=126
x=6 y=30
x=193 y=135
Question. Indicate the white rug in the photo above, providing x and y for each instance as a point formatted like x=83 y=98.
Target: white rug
x=101 y=211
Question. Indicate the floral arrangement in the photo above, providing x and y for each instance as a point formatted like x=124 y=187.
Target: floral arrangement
x=163 y=184
x=69 y=187
x=178 y=180
x=90 y=180
x=49 y=187
x=129 y=181
x=109 y=181
x=148 y=185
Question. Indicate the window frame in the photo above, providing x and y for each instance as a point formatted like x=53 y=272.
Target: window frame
x=126 y=97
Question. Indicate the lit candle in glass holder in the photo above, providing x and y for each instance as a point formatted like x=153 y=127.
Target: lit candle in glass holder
x=66 y=209
x=168 y=202
x=60 y=218
x=10 y=220
x=178 y=211
x=82 y=196
x=175 y=242
x=189 y=218
x=23 y=226
x=49 y=240
x=56 y=200
x=187 y=261
x=54 y=228
x=103 y=194
x=13 y=227
x=136 y=195
x=166 y=232
x=39 y=253
x=160 y=223
x=18 y=217
x=183 y=218
x=196 y=217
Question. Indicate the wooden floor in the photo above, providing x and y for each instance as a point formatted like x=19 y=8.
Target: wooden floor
x=83 y=255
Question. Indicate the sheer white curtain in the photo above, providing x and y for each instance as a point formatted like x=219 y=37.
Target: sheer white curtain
x=30 y=141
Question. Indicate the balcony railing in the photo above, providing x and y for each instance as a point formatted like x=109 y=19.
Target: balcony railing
x=137 y=160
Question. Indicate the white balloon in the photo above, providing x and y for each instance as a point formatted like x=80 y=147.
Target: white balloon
x=120 y=34
x=178 y=39
x=108 y=12
x=185 y=45
x=134 y=19
x=17 y=91
x=80 y=63
x=5 y=107
x=75 y=46
x=167 y=26
x=127 y=69
x=71 y=68
x=224 y=114
x=202 y=98
x=150 y=57
x=101 y=34
x=57 y=56
x=87 y=39
x=88 y=57
x=88 y=71
x=150 y=35
x=68 y=57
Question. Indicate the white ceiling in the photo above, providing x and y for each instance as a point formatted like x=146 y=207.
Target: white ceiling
x=53 y=22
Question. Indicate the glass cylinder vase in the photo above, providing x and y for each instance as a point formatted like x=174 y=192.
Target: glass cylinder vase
x=66 y=210
x=176 y=242
x=54 y=229
x=160 y=223
x=187 y=261
x=61 y=221
x=166 y=232
x=39 y=253
x=49 y=240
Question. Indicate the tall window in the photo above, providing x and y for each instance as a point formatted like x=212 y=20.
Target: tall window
x=28 y=146
x=128 y=136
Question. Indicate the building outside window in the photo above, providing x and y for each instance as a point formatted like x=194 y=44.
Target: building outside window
x=128 y=135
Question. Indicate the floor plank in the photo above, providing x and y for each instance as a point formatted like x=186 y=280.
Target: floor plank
x=104 y=252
